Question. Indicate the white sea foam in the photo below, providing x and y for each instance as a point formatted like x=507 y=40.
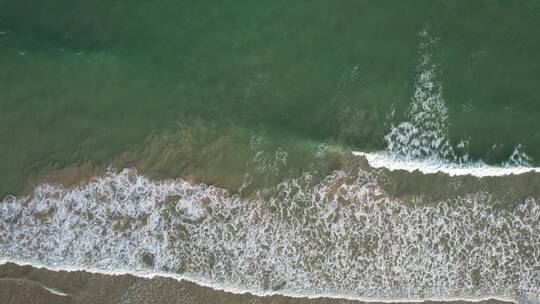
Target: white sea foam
x=421 y=141
x=392 y=162
x=425 y=132
x=341 y=237
x=55 y=291
x=236 y=290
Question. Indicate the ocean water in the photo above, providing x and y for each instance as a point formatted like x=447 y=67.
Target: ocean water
x=85 y=81
x=341 y=236
x=375 y=150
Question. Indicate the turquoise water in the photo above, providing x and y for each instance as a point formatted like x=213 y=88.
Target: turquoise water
x=86 y=80
x=236 y=122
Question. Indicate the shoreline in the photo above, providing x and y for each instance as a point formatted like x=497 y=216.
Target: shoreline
x=238 y=291
x=235 y=290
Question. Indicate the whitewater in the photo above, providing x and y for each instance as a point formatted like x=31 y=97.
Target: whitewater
x=421 y=142
x=391 y=162
x=341 y=236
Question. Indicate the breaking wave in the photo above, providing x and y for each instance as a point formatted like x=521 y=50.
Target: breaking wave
x=422 y=139
x=479 y=169
x=340 y=235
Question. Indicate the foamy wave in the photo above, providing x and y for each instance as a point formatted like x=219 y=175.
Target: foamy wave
x=518 y=158
x=425 y=132
x=236 y=290
x=422 y=140
x=392 y=162
x=341 y=236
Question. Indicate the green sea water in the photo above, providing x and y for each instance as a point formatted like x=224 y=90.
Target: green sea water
x=86 y=80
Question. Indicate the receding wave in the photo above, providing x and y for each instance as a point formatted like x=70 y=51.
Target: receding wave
x=342 y=235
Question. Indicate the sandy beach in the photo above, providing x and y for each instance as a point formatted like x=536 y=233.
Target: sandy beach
x=26 y=284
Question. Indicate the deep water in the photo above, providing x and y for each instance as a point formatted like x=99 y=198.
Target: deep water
x=83 y=81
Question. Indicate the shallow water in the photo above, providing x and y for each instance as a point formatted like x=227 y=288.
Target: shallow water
x=83 y=81
x=342 y=235
x=89 y=288
x=237 y=122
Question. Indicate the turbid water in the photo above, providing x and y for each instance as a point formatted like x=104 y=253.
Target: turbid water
x=83 y=81
x=237 y=124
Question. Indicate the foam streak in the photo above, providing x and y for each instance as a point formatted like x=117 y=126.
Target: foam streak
x=341 y=235
x=429 y=166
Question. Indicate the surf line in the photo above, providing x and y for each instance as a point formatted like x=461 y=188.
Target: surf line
x=479 y=169
x=235 y=290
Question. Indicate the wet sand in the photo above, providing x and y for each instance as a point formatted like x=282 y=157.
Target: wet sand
x=26 y=284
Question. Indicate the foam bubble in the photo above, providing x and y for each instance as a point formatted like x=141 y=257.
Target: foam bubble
x=425 y=132
x=434 y=165
x=342 y=235
x=422 y=138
